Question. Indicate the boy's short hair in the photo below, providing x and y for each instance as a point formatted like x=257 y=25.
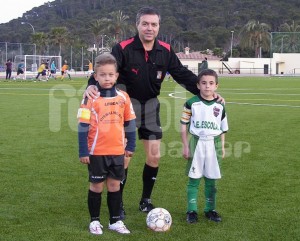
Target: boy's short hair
x=209 y=72
x=147 y=11
x=105 y=58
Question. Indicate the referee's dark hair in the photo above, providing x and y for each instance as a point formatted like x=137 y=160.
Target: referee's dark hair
x=147 y=11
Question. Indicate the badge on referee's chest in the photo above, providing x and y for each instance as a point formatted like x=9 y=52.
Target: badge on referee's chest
x=159 y=75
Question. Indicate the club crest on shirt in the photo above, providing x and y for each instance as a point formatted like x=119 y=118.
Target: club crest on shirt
x=216 y=111
x=121 y=103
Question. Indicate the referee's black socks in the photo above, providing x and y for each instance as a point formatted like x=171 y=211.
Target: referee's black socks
x=149 y=178
x=123 y=182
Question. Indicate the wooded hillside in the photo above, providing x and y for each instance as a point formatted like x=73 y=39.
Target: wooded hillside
x=195 y=23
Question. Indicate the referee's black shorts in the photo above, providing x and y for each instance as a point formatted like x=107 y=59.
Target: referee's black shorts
x=148 y=119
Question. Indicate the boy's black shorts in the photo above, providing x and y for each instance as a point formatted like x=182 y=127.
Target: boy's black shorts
x=148 y=119
x=20 y=71
x=101 y=167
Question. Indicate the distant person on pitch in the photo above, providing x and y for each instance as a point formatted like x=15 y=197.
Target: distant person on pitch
x=8 y=69
x=65 y=71
x=52 y=70
x=204 y=64
x=42 y=72
x=20 y=70
x=90 y=69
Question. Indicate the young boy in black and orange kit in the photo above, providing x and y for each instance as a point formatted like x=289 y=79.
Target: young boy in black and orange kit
x=104 y=123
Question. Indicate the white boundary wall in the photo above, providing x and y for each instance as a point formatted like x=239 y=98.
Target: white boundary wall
x=286 y=63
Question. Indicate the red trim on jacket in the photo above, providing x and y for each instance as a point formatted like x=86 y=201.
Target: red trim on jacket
x=126 y=42
x=167 y=46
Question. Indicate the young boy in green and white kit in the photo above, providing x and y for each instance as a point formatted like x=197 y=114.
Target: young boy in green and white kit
x=206 y=121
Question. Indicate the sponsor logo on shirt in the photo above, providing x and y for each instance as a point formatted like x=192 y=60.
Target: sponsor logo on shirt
x=121 y=103
x=135 y=71
x=206 y=125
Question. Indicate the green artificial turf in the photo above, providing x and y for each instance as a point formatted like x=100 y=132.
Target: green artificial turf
x=44 y=186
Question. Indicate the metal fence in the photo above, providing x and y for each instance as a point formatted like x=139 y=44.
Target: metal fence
x=285 y=42
x=236 y=72
x=77 y=57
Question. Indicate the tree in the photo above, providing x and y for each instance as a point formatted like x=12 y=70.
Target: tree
x=41 y=41
x=294 y=27
x=98 y=29
x=110 y=43
x=256 y=36
x=290 y=40
x=118 y=25
x=218 y=52
x=59 y=36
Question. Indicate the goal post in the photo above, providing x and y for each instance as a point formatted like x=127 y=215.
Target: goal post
x=32 y=63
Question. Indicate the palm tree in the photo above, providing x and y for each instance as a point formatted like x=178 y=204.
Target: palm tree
x=98 y=29
x=41 y=41
x=294 y=27
x=118 y=25
x=59 y=36
x=111 y=41
x=255 y=35
x=290 y=39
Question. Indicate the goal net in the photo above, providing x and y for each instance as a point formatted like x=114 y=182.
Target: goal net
x=32 y=63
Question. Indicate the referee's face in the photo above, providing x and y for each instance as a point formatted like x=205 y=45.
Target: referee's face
x=148 y=28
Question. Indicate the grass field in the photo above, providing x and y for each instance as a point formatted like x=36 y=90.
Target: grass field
x=44 y=186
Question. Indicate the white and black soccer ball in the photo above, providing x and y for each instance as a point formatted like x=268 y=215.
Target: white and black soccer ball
x=159 y=220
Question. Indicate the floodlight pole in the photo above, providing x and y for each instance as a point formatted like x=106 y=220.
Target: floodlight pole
x=30 y=25
x=102 y=37
x=5 y=50
x=81 y=58
x=33 y=31
x=231 y=43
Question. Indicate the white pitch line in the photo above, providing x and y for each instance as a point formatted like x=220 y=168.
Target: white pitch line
x=248 y=89
x=240 y=103
x=272 y=105
x=237 y=93
x=247 y=93
x=33 y=89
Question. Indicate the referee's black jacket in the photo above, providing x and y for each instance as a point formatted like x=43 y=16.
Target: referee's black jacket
x=141 y=72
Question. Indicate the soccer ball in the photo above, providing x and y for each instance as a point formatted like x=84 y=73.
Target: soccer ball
x=159 y=220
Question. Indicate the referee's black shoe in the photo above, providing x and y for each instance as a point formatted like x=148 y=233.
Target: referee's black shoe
x=191 y=217
x=213 y=216
x=146 y=205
